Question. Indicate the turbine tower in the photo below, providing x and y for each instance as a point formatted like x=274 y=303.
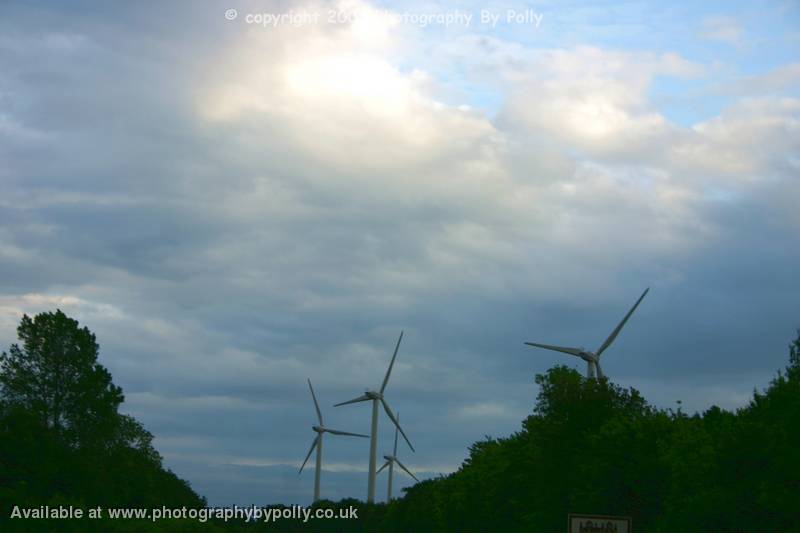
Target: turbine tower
x=390 y=461
x=377 y=397
x=593 y=358
x=321 y=429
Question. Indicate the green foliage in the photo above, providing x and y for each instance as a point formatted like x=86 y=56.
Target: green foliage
x=55 y=375
x=62 y=439
x=589 y=446
x=592 y=447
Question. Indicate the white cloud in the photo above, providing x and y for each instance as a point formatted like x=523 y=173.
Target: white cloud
x=723 y=29
x=491 y=410
x=776 y=80
x=13 y=307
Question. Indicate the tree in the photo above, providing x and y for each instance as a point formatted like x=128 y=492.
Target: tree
x=62 y=439
x=591 y=446
x=794 y=354
x=54 y=374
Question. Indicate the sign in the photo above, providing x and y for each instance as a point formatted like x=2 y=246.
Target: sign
x=585 y=523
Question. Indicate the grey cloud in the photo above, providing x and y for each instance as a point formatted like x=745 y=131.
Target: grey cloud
x=224 y=258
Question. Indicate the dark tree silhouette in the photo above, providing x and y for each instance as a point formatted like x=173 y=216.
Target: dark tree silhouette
x=54 y=374
x=593 y=447
x=589 y=446
x=62 y=438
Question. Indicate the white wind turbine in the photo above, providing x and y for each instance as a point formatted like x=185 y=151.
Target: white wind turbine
x=376 y=397
x=390 y=461
x=593 y=358
x=320 y=429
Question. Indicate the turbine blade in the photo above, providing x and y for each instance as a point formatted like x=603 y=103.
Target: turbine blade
x=616 y=331
x=390 y=414
x=337 y=432
x=600 y=374
x=395 y=435
x=401 y=465
x=316 y=405
x=362 y=398
x=313 y=445
x=389 y=371
x=571 y=351
x=384 y=466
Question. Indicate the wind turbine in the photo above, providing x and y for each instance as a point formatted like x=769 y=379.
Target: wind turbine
x=376 y=397
x=390 y=461
x=593 y=358
x=321 y=429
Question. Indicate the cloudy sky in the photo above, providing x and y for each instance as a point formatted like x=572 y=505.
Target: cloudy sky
x=235 y=202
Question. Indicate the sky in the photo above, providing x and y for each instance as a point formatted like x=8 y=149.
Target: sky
x=239 y=196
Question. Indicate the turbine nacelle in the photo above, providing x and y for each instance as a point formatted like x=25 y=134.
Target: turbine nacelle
x=392 y=460
x=373 y=395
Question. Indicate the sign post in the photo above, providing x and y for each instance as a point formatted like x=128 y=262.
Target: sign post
x=585 y=523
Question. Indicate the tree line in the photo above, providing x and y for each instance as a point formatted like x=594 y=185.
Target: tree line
x=592 y=447
x=588 y=446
